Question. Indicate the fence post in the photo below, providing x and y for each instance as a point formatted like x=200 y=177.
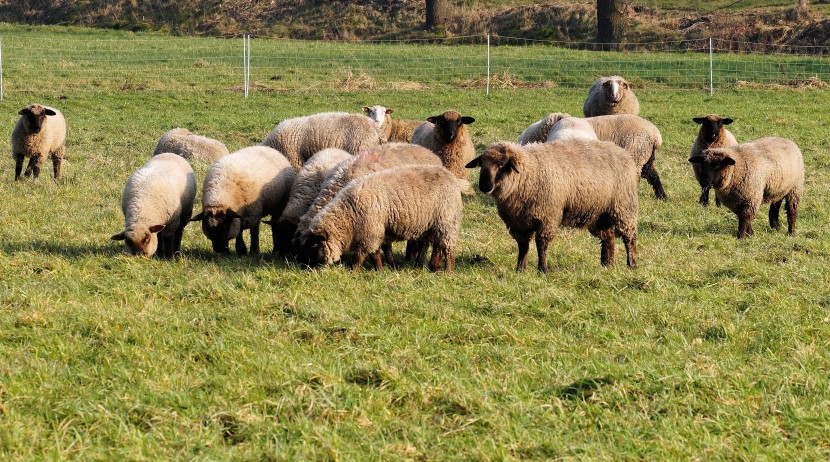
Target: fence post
x=711 y=72
x=1 y=67
x=245 y=53
x=487 y=92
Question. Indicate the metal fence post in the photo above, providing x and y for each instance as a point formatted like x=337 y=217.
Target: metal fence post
x=1 y=67
x=487 y=92
x=245 y=53
x=711 y=71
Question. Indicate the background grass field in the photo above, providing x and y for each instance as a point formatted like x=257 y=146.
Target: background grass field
x=712 y=349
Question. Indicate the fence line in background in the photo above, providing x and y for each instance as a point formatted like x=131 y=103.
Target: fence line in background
x=159 y=63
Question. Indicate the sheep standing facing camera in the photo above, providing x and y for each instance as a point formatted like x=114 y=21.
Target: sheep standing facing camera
x=40 y=132
x=712 y=134
x=447 y=136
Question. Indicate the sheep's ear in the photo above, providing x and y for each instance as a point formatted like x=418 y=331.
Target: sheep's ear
x=513 y=164
x=433 y=119
x=696 y=159
x=118 y=237
x=467 y=120
x=49 y=112
x=699 y=120
x=389 y=111
x=232 y=214
x=24 y=111
x=156 y=228
x=365 y=108
x=474 y=163
x=727 y=161
x=198 y=217
x=726 y=121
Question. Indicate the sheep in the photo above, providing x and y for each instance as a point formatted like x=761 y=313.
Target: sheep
x=183 y=142
x=447 y=136
x=40 y=132
x=414 y=203
x=610 y=95
x=377 y=159
x=538 y=131
x=239 y=189
x=577 y=183
x=712 y=134
x=306 y=186
x=300 y=138
x=639 y=137
x=572 y=128
x=157 y=202
x=767 y=170
x=394 y=130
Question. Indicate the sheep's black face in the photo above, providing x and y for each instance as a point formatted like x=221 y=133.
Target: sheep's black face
x=220 y=227
x=495 y=164
x=317 y=251
x=715 y=169
x=710 y=127
x=449 y=124
x=35 y=116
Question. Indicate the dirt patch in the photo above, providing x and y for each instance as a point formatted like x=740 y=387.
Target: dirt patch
x=504 y=81
x=810 y=82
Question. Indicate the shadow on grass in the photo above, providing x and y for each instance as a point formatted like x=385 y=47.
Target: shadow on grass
x=69 y=251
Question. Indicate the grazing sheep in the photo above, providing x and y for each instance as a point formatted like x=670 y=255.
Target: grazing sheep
x=412 y=203
x=610 y=95
x=394 y=130
x=40 y=132
x=637 y=136
x=447 y=136
x=577 y=183
x=239 y=190
x=300 y=138
x=306 y=186
x=572 y=128
x=767 y=170
x=712 y=134
x=157 y=202
x=377 y=159
x=538 y=131
x=182 y=142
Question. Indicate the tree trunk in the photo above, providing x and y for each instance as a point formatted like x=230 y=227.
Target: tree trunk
x=611 y=21
x=436 y=14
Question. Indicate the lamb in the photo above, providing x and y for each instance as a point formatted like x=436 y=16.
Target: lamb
x=40 y=132
x=157 y=202
x=767 y=170
x=183 y=142
x=712 y=134
x=538 y=131
x=447 y=136
x=414 y=203
x=300 y=138
x=239 y=189
x=572 y=128
x=639 y=137
x=394 y=130
x=610 y=95
x=306 y=186
x=577 y=183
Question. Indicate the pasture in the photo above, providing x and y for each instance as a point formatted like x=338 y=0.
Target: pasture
x=711 y=349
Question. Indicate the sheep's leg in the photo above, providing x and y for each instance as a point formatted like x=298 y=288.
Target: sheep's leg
x=542 y=252
x=255 y=239
x=357 y=262
x=422 y=247
x=774 y=210
x=57 y=158
x=169 y=247
x=717 y=200
x=524 y=246
x=745 y=222
x=793 y=198
x=653 y=178
x=704 y=196
x=450 y=256
x=630 y=242
x=387 y=253
x=377 y=259
x=411 y=250
x=437 y=260
x=239 y=244
x=18 y=166
x=34 y=161
x=607 y=245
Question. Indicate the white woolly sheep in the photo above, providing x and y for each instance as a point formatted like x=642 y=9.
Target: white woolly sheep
x=610 y=95
x=538 y=131
x=40 y=132
x=572 y=128
x=239 y=190
x=639 y=137
x=712 y=134
x=447 y=136
x=394 y=130
x=183 y=142
x=577 y=183
x=411 y=203
x=300 y=138
x=157 y=202
x=767 y=170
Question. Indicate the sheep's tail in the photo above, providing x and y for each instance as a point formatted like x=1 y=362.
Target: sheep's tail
x=465 y=186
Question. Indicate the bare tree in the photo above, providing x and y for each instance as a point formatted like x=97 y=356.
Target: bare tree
x=611 y=21
x=436 y=14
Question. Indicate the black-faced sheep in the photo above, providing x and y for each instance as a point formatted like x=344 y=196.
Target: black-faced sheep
x=767 y=170
x=576 y=183
x=157 y=202
x=40 y=132
x=183 y=142
x=447 y=136
x=610 y=95
x=538 y=131
x=394 y=130
x=712 y=134
x=301 y=137
x=411 y=203
x=239 y=190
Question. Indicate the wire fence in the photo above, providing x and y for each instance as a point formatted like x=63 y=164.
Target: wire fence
x=74 y=63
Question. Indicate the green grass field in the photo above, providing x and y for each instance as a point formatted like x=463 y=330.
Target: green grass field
x=712 y=349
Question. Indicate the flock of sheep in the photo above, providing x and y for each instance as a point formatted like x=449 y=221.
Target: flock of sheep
x=339 y=183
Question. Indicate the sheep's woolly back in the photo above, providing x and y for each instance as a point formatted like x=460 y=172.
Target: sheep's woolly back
x=309 y=181
x=632 y=133
x=403 y=130
x=253 y=182
x=572 y=128
x=161 y=192
x=600 y=100
x=404 y=203
x=301 y=137
x=538 y=131
x=454 y=155
x=183 y=142
x=49 y=141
